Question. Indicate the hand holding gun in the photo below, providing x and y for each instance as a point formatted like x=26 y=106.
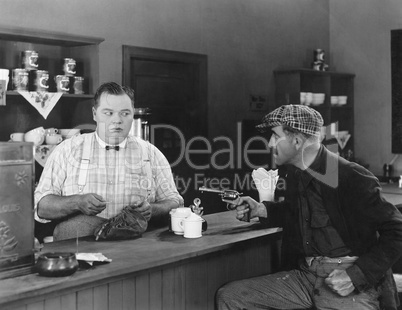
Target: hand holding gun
x=231 y=197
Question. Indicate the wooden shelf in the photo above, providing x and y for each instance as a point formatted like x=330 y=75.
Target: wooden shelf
x=314 y=72
x=46 y=37
x=81 y=96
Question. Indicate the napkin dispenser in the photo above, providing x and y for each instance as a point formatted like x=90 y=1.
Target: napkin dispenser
x=16 y=209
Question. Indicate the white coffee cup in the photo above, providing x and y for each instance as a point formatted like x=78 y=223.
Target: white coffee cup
x=51 y=131
x=53 y=139
x=37 y=136
x=4 y=75
x=309 y=98
x=192 y=226
x=17 y=136
x=177 y=216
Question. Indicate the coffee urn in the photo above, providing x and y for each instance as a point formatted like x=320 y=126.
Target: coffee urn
x=140 y=126
x=17 y=177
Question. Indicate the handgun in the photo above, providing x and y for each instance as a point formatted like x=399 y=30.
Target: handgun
x=227 y=195
x=230 y=196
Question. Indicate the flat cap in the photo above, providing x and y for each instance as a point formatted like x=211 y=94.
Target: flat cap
x=299 y=117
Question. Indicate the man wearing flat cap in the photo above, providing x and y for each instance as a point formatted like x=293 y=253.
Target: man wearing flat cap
x=340 y=236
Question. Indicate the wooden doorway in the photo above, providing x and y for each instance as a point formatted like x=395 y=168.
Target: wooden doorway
x=174 y=86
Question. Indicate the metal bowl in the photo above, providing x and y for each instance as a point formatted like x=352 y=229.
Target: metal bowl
x=56 y=264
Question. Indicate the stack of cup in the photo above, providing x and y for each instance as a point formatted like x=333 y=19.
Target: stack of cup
x=4 y=76
x=342 y=100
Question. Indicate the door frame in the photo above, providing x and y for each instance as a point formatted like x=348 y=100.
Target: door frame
x=145 y=53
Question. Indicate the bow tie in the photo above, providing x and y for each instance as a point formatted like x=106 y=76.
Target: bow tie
x=110 y=147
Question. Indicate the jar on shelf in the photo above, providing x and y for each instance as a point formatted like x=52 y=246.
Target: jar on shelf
x=41 y=80
x=62 y=83
x=69 y=66
x=20 y=79
x=78 y=85
x=29 y=60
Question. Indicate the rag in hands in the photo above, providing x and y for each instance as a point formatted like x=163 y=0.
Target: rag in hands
x=128 y=224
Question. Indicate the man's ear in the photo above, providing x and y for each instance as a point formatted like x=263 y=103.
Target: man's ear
x=298 y=141
x=93 y=114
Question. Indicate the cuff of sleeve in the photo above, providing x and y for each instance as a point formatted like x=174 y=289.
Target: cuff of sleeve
x=36 y=216
x=265 y=220
x=39 y=219
x=358 y=278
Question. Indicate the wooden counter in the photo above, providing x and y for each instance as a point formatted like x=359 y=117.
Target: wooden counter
x=158 y=271
x=392 y=193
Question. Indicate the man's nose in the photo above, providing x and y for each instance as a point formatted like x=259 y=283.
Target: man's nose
x=271 y=142
x=116 y=118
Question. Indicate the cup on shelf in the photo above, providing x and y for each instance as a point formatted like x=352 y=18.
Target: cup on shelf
x=17 y=136
x=52 y=139
x=318 y=98
x=334 y=100
x=36 y=135
x=302 y=97
x=342 y=100
x=51 y=131
x=4 y=75
x=309 y=98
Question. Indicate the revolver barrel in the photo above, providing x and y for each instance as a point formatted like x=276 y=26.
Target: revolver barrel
x=228 y=194
x=211 y=190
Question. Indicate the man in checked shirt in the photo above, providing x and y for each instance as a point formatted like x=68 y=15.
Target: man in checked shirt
x=91 y=177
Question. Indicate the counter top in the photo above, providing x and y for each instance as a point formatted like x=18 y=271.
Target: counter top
x=391 y=188
x=392 y=193
x=154 y=249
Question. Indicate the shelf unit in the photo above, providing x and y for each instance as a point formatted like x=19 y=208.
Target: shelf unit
x=52 y=48
x=289 y=84
x=71 y=110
